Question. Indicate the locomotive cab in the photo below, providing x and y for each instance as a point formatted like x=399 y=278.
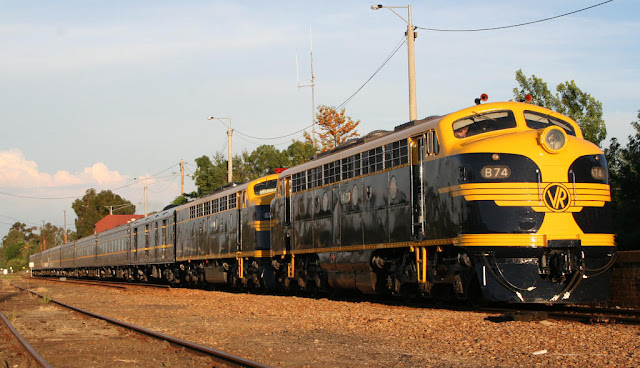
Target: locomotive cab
x=530 y=203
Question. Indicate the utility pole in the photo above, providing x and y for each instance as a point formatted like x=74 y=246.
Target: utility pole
x=313 y=89
x=229 y=153
x=65 y=226
x=182 y=178
x=145 y=201
x=411 y=36
x=43 y=244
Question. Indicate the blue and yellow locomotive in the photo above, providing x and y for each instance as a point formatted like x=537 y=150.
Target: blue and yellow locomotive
x=500 y=202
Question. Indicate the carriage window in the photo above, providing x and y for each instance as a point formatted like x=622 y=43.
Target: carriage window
x=314 y=177
x=232 y=200
x=192 y=212
x=433 y=146
x=223 y=204
x=299 y=184
x=372 y=161
x=207 y=208
x=396 y=154
x=483 y=123
x=347 y=168
x=331 y=172
x=270 y=186
x=199 y=210
x=536 y=120
x=356 y=165
x=214 y=206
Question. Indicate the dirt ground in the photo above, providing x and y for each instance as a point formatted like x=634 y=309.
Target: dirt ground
x=292 y=331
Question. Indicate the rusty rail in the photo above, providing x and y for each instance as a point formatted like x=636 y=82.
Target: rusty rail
x=36 y=356
x=218 y=355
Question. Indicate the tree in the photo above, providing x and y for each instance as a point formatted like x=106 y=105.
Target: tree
x=19 y=243
x=624 y=176
x=299 y=152
x=569 y=100
x=335 y=127
x=210 y=175
x=93 y=207
x=263 y=161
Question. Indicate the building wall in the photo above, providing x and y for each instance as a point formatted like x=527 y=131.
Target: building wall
x=625 y=280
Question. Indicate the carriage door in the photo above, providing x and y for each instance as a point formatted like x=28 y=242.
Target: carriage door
x=95 y=246
x=287 y=212
x=135 y=244
x=128 y=243
x=241 y=204
x=417 y=185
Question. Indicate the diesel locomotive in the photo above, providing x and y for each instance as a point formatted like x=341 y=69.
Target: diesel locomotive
x=499 y=202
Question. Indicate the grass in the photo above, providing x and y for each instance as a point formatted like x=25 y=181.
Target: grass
x=45 y=299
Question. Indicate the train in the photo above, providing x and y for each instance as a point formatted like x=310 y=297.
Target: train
x=497 y=202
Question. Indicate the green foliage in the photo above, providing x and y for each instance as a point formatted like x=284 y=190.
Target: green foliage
x=212 y=174
x=624 y=176
x=569 y=100
x=535 y=87
x=17 y=264
x=261 y=162
x=93 y=207
x=299 y=153
x=21 y=242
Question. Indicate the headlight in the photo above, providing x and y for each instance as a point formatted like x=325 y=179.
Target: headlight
x=552 y=139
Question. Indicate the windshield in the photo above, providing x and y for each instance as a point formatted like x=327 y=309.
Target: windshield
x=482 y=123
x=265 y=187
x=536 y=120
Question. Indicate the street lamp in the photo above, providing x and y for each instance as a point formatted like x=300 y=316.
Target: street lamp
x=413 y=110
x=230 y=158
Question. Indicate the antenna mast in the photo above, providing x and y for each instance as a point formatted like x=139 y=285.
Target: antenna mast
x=313 y=89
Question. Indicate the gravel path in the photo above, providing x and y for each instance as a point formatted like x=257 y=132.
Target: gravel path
x=293 y=332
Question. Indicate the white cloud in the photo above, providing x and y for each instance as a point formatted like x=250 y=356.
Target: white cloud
x=17 y=171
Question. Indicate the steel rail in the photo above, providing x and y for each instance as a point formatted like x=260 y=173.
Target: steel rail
x=34 y=354
x=114 y=284
x=217 y=355
x=589 y=315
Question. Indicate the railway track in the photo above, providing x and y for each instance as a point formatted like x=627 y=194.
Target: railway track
x=569 y=313
x=25 y=344
x=509 y=312
x=49 y=339
x=111 y=284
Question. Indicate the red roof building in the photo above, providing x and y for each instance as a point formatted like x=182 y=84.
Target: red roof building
x=111 y=221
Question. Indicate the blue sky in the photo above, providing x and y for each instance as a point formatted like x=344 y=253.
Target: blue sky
x=94 y=94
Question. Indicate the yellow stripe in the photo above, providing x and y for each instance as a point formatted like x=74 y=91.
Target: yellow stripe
x=530 y=194
x=261 y=225
x=529 y=240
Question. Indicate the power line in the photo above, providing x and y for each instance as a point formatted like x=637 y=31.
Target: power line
x=154 y=176
x=271 y=138
x=395 y=50
x=514 y=25
x=272 y=144
x=386 y=60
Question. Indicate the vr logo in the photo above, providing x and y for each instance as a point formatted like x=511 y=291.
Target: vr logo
x=557 y=197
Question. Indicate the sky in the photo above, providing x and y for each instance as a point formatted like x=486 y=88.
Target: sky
x=113 y=94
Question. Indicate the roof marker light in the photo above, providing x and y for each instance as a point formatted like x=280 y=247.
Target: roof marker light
x=483 y=98
x=528 y=99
